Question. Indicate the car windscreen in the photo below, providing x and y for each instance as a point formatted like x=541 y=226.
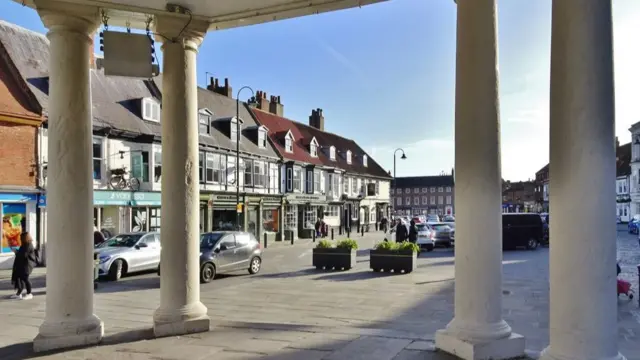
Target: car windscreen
x=422 y=227
x=441 y=227
x=449 y=218
x=123 y=240
x=208 y=241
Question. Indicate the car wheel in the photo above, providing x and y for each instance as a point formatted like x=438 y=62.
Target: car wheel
x=532 y=244
x=429 y=248
x=254 y=265
x=207 y=273
x=116 y=270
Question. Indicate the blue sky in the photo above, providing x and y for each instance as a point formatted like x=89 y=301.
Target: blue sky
x=384 y=75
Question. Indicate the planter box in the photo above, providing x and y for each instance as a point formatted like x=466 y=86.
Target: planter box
x=398 y=261
x=334 y=258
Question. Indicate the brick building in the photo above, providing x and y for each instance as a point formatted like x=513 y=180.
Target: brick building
x=518 y=196
x=20 y=121
x=424 y=195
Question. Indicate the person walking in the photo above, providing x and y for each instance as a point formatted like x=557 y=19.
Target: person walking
x=401 y=232
x=413 y=232
x=23 y=264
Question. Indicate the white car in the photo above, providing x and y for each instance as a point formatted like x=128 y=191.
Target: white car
x=426 y=237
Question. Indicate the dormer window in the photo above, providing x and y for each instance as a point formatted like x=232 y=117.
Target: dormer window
x=364 y=160
x=313 y=147
x=204 y=122
x=288 y=142
x=348 y=156
x=150 y=109
x=262 y=137
x=332 y=153
x=235 y=129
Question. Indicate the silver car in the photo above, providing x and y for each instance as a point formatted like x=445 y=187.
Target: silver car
x=128 y=253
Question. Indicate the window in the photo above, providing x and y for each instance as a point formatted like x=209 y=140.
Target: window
x=424 y=190
x=97 y=159
x=219 y=168
x=345 y=185
x=440 y=200
x=248 y=172
x=270 y=220
x=433 y=189
x=291 y=217
x=334 y=210
x=138 y=219
x=440 y=189
x=399 y=191
x=317 y=179
x=348 y=156
x=150 y=110
x=234 y=128
x=332 y=153
x=416 y=191
x=204 y=123
x=201 y=165
x=433 y=200
x=331 y=176
x=336 y=185
x=297 y=179
x=448 y=188
x=310 y=187
x=274 y=179
x=377 y=187
x=416 y=200
x=399 y=201
x=354 y=186
x=407 y=200
x=364 y=160
x=313 y=147
x=154 y=219
x=288 y=143
x=289 y=179
x=425 y=200
x=231 y=170
x=262 y=138
x=260 y=173
x=157 y=166
x=407 y=191
x=209 y=167
x=140 y=165
x=309 y=217
x=448 y=200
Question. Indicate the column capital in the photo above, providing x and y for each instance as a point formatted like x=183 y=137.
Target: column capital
x=172 y=28
x=64 y=16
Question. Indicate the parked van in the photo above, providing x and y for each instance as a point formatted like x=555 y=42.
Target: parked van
x=522 y=230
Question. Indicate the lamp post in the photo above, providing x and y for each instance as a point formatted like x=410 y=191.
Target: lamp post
x=238 y=154
x=403 y=157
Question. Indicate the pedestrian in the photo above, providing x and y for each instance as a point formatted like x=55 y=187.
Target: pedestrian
x=98 y=238
x=383 y=224
x=401 y=231
x=23 y=264
x=318 y=227
x=413 y=232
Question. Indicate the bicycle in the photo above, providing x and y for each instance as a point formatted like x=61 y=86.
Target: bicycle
x=119 y=181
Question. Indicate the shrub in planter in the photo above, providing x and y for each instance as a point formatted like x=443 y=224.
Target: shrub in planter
x=342 y=256
x=387 y=256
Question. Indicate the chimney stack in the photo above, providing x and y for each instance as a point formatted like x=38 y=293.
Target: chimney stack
x=316 y=119
x=275 y=106
x=262 y=101
x=226 y=90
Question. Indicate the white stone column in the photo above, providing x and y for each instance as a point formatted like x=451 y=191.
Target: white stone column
x=180 y=310
x=583 y=304
x=69 y=319
x=478 y=331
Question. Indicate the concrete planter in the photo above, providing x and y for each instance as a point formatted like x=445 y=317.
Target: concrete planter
x=334 y=258
x=398 y=261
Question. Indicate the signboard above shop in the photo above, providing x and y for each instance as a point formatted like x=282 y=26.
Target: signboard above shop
x=118 y=198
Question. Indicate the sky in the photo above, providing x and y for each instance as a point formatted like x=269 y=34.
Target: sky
x=384 y=75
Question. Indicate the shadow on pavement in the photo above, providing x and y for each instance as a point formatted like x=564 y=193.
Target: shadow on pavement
x=354 y=276
x=288 y=274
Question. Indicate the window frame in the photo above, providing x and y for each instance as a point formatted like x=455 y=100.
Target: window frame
x=151 y=109
x=235 y=129
x=100 y=161
x=365 y=160
x=262 y=138
x=297 y=179
x=349 y=157
x=248 y=175
x=332 y=153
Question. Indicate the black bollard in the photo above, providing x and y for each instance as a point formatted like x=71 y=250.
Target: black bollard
x=348 y=233
x=362 y=230
x=639 y=290
x=313 y=236
x=292 y=238
x=265 y=240
x=331 y=233
x=340 y=230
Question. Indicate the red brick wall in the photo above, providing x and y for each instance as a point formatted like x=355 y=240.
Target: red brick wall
x=17 y=154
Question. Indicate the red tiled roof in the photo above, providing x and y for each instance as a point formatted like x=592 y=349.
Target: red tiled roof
x=303 y=134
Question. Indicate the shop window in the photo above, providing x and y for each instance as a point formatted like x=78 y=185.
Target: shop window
x=270 y=220
x=138 y=219
x=309 y=216
x=297 y=179
x=140 y=165
x=248 y=173
x=97 y=158
x=201 y=166
x=252 y=221
x=157 y=166
x=291 y=217
x=334 y=210
x=154 y=219
x=14 y=222
x=274 y=179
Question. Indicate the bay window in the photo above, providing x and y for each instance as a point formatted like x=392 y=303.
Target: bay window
x=289 y=179
x=273 y=179
x=336 y=185
x=219 y=168
x=345 y=185
x=209 y=157
x=354 y=186
x=260 y=173
x=231 y=170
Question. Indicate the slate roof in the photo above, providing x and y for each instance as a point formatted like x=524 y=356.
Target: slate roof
x=303 y=134
x=223 y=109
x=424 y=181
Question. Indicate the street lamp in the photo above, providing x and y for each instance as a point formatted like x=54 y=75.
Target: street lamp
x=403 y=157
x=238 y=153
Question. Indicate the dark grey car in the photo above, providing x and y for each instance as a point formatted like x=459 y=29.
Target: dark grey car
x=227 y=251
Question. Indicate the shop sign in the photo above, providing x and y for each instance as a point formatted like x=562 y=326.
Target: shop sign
x=146 y=198
x=18 y=197
x=306 y=198
x=125 y=198
x=223 y=197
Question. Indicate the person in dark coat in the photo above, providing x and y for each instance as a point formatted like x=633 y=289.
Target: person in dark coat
x=98 y=238
x=401 y=232
x=413 y=232
x=23 y=264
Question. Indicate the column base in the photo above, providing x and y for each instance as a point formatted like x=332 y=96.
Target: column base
x=547 y=355
x=188 y=320
x=501 y=349
x=63 y=335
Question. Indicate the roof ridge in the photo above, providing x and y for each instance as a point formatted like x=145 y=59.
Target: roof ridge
x=23 y=29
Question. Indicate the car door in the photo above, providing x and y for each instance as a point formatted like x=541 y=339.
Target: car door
x=144 y=253
x=243 y=251
x=155 y=248
x=225 y=254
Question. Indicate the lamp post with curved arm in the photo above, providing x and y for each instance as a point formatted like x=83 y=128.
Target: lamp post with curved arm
x=238 y=154
x=403 y=157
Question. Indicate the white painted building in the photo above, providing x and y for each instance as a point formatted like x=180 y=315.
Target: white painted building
x=623 y=200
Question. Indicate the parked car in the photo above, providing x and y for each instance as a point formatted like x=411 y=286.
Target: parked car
x=442 y=236
x=432 y=218
x=228 y=251
x=426 y=237
x=522 y=230
x=128 y=253
x=448 y=219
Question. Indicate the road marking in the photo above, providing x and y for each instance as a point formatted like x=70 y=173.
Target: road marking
x=305 y=253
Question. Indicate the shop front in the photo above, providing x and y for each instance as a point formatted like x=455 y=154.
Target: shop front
x=18 y=212
x=301 y=213
x=351 y=215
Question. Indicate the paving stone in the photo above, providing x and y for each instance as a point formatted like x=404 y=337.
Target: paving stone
x=324 y=342
x=422 y=345
x=423 y=355
x=370 y=348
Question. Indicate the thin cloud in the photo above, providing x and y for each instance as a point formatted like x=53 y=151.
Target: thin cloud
x=343 y=60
